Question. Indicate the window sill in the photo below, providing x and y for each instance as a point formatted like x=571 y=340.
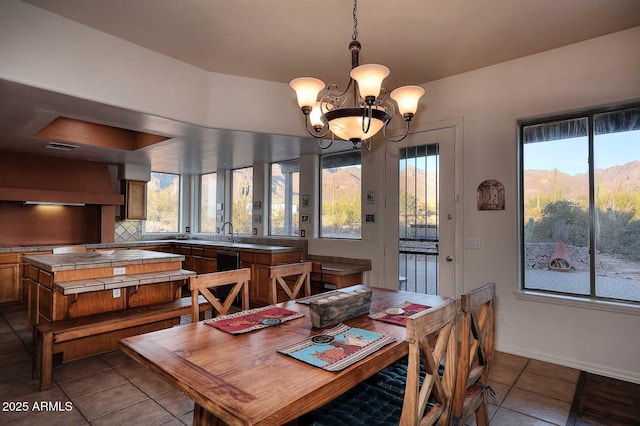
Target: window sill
x=159 y=235
x=580 y=302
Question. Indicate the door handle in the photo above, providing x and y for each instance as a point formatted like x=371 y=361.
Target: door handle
x=449 y=259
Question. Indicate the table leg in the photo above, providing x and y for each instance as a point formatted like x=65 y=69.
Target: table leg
x=202 y=417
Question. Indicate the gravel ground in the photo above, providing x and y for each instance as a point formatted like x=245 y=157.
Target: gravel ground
x=620 y=281
x=577 y=282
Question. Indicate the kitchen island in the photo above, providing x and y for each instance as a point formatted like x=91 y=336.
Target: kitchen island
x=199 y=256
x=76 y=285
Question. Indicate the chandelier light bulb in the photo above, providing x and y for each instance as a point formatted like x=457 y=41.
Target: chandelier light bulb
x=315 y=117
x=369 y=78
x=350 y=128
x=407 y=98
x=307 y=89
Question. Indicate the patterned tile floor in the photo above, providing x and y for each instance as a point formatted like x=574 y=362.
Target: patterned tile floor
x=112 y=389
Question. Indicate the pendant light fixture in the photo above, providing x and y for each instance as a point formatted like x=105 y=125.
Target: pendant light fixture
x=362 y=109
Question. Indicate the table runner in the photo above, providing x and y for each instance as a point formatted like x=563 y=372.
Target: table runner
x=409 y=309
x=246 y=321
x=349 y=346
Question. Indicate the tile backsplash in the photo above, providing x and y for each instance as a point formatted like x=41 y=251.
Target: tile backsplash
x=128 y=230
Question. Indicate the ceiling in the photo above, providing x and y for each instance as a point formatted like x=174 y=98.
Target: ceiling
x=278 y=40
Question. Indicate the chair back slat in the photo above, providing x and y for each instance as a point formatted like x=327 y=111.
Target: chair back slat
x=201 y=284
x=301 y=272
x=430 y=403
x=477 y=334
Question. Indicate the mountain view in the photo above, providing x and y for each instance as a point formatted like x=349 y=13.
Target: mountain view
x=343 y=182
x=546 y=183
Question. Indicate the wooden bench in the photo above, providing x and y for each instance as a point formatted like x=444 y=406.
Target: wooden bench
x=47 y=336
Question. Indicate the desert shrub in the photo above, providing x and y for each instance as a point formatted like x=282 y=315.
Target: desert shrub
x=561 y=221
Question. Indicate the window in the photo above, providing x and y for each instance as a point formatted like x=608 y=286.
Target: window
x=340 y=179
x=285 y=190
x=242 y=200
x=163 y=203
x=208 y=187
x=580 y=201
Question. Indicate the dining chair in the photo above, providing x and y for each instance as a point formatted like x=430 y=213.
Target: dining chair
x=301 y=272
x=202 y=284
x=477 y=331
x=69 y=249
x=427 y=399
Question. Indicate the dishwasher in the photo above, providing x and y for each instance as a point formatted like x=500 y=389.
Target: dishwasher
x=226 y=260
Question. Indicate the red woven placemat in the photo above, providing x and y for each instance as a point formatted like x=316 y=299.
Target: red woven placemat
x=245 y=321
x=409 y=309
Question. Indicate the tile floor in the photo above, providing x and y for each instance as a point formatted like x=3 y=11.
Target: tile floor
x=112 y=389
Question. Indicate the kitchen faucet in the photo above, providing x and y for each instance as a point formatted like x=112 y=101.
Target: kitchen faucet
x=230 y=229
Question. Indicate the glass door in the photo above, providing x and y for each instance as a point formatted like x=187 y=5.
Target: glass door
x=420 y=243
x=419 y=218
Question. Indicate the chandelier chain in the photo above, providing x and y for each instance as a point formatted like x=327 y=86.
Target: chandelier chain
x=354 y=36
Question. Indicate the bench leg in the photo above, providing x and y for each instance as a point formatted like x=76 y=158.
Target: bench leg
x=35 y=353
x=46 y=359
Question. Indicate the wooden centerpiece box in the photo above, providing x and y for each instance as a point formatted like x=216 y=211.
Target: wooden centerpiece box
x=339 y=306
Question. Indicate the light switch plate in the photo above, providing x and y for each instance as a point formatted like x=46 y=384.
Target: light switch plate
x=116 y=293
x=471 y=243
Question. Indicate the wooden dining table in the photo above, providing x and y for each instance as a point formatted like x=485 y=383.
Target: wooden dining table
x=242 y=379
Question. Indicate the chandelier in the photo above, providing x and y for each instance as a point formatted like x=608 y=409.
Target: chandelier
x=362 y=109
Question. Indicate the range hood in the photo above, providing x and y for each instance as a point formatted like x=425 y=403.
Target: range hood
x=39 y=178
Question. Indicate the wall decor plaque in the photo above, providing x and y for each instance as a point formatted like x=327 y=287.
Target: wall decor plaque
x=490 y=195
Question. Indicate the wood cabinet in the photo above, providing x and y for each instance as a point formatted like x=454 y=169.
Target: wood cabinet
x=339 y=281
x=197 y=260
x=135 y=199
x=259 y=263
x=10 y=280
x=187 y=263
x=209 y=260
x=165 y=248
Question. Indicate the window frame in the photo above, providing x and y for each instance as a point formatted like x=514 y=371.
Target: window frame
x=293 y=166
x=591 y=301
x=231 y=201
x=199 y=203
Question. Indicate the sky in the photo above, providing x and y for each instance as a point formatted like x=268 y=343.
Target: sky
x=571 y=156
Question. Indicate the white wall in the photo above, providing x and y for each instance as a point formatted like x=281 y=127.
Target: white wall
x=371 y=246
x=601 y=71
x=47 y=51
